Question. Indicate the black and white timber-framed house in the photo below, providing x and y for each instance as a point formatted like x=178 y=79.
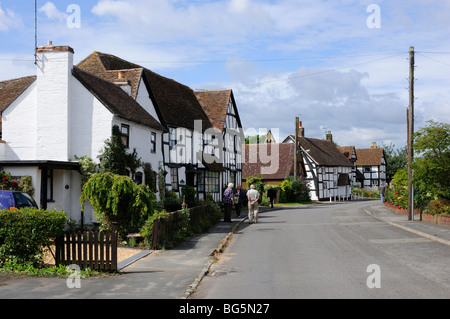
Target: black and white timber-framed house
x=323 y=167
x=220 y=107
x=371 y=162
x=188 y=136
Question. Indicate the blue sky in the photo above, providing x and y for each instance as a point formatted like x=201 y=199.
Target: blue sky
x=319 y=60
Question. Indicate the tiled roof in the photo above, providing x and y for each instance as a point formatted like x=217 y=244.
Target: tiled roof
x=176 y=102
x=347 y=151
x=369 y=156
x=11 y=89
x=285 y=157
x=115 y=99
x=323 y=152
x=215 y=104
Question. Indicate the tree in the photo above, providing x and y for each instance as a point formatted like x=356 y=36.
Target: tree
x=114 y=157
x=117 y=198
x=396 y=159
x=432 y=162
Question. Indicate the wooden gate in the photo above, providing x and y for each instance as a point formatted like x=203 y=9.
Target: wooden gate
x=96 y=250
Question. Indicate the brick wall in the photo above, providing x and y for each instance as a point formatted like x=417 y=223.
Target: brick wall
x=428 y=218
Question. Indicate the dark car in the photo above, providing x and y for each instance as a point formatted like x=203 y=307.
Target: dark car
x=16 y=199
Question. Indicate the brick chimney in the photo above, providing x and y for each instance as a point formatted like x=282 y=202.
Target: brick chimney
x=54 y=78
x=301 y=130
x=123 y=82
x=329 y=137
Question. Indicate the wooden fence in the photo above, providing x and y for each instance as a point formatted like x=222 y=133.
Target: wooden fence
x=166 y=229
x=96 y=250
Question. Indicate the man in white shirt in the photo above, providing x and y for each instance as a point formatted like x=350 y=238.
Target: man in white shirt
x=253 y=197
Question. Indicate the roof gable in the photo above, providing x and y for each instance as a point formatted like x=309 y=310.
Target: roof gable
x=175 y=102
x=254 y=153
x=115 y=99
x=11 y=89
x=369 y=156
x=323 y=152
x=215 y=104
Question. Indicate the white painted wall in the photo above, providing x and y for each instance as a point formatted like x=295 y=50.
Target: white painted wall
x=53 y=101
x=19 y=126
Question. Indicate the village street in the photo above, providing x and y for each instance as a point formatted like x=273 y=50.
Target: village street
x=334 y=251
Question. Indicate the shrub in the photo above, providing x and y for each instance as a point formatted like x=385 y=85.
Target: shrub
x=146 y=230
x=190 y=195
x=25 y=233
x=171 y=201
x=117 y=198
x=439 y=206
x=294 y=191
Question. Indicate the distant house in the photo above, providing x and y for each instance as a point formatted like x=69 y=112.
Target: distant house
x=327 y=171
x=269 y=138
x=371 y=162
x=323 y=167
x=356 y=178
x=273 y=162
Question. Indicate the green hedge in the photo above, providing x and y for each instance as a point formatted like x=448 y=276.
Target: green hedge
x=25 y=233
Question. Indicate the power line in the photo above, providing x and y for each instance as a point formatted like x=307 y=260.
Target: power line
x=324 y=71
x=435 y=60
x=242 y=60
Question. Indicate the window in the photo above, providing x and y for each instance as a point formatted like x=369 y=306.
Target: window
x=201 y=181
x=153 y=143
x=50 y=185
x=211 y=182
x=174 y=178
x=138 y=178
x=125 y=132
x=172 y=137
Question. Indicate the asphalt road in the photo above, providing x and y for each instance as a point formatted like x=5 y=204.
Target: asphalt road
x=327 y=251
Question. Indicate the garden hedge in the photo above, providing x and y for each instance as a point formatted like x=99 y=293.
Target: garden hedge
x=25 y=233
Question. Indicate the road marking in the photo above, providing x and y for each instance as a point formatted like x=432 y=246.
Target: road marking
x=399 y=240
x=361 y=223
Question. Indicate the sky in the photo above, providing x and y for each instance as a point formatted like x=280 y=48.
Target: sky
x=340 y=66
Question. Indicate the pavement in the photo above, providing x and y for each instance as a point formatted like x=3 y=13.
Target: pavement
x=176 y=273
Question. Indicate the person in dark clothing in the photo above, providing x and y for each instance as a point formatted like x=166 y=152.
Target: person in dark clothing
x=272 y=194
x=238 y=200
x=228 y=197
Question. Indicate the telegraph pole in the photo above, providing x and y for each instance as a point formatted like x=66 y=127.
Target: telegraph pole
x=410 y=127
x=295 y=148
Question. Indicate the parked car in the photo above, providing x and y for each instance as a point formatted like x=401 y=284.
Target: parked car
x=16 y=199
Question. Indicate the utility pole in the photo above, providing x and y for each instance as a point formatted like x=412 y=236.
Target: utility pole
x=410 y=126
x=295 y=148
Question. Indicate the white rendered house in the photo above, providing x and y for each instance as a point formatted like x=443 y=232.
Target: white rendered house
x=64 y=112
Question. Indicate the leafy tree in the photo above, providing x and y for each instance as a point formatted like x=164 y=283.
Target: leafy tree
x=431 y=166
x=115 y=158
x=396 y=159
x=256 y=139
x=117 y=198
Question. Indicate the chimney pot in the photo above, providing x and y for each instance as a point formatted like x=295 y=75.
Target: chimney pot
x=329 y=136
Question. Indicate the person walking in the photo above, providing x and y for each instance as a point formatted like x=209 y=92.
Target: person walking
x=238 y=200
x=271 y=193
x=253 y=197
x=382 y=190
x=228 y=202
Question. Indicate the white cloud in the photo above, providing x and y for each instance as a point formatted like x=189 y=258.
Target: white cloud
x=8 y=19
x=52 y=12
